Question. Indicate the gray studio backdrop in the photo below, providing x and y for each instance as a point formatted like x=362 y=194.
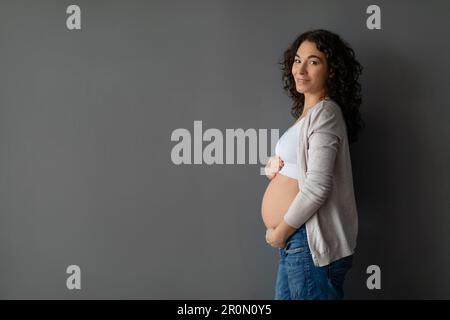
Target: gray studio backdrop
x=86 y=174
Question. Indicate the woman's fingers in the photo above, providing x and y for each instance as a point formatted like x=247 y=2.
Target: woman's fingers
x=280 y=163
x=270 y=167
x=274 y=164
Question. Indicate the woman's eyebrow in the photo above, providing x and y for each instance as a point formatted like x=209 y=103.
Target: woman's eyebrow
x=311 y=56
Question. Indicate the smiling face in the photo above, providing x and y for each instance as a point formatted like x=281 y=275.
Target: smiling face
x=310 y=69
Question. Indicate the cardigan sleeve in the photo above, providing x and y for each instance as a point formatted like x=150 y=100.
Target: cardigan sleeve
x=323 y=141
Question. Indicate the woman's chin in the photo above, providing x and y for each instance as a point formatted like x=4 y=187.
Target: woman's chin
x=301 y=89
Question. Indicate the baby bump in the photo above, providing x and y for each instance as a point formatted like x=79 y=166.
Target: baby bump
x=278 y=196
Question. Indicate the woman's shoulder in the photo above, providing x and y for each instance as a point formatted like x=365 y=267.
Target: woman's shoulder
x=327 y=116
x=327 y=107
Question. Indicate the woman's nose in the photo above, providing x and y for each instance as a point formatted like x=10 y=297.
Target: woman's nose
x=300 y=69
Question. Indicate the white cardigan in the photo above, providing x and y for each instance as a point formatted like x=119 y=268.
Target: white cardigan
x=326 y=200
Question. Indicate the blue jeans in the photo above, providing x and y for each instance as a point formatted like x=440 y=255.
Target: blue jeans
x=299 y=279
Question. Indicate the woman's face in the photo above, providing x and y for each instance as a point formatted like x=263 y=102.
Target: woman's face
x=310 y=69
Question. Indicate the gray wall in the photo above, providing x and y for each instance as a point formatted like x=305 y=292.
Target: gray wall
x=86 y=176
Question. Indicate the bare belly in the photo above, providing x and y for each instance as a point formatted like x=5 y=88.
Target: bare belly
x=278 y=197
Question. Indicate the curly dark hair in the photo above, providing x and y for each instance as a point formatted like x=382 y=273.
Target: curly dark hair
x=343 y=87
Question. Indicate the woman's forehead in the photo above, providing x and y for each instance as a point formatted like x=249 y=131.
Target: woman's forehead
x=308 y=48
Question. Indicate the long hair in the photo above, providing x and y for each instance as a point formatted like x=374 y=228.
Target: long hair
x=344 y=87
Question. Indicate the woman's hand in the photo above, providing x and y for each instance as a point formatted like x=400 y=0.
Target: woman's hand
x=273 y=166
x=275 y=238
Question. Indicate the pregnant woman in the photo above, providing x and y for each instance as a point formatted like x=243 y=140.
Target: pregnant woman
x=309 y=207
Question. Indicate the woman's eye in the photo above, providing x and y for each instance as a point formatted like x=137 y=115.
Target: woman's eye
x=298 y=61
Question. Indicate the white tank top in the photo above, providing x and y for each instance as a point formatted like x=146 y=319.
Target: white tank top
x=286 y=149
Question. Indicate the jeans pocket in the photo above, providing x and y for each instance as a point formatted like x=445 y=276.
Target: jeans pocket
x=295 y=249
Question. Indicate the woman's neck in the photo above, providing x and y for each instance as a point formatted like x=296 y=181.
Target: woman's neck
x=312 y=99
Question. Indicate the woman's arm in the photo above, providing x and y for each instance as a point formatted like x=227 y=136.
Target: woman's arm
x=324 y=140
